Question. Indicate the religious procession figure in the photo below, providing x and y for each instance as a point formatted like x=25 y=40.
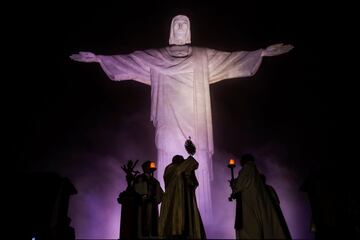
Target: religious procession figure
x=151 y=194
x=179 y=76
x=129 y=201
x=179 y=215
x=259 y=218
x=276 y=202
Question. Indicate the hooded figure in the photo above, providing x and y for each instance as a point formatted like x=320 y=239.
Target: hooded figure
x=179 y=214
x=151 y=195
x=259 y=217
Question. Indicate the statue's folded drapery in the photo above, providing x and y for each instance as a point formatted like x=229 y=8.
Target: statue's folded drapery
x=180 y=99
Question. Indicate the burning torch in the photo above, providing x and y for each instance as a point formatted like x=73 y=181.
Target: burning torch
x=152 y=168
x=231 y=165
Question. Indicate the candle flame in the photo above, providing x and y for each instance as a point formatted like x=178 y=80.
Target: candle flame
x=232 y=162
x=152 y=165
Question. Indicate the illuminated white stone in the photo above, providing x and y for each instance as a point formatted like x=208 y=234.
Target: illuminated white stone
x=180 y=76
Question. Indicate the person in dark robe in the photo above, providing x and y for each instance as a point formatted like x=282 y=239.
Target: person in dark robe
x=259 y=218
x=129 y=200
x=276 y=202
x=151 y=194
x=179 y=215
x=333 y=202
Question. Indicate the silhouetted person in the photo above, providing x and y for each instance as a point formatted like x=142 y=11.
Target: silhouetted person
x=259 y=217
x=151 y=195
x=129 y=201
x=332 y=204
x=66 y=232
x=179 y=216
x=276 y=202
x=44 y=199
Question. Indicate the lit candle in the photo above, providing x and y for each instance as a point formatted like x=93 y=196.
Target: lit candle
x=231 y=163
x=152 y=166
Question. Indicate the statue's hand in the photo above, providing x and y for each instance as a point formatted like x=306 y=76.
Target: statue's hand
x=276 y=49
x=84 y=57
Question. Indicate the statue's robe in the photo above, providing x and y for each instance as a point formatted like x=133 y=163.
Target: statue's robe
x=180 y=99
x=259 y=217
x=179 y=214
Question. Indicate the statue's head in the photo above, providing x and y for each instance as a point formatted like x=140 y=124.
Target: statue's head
x=180 y=30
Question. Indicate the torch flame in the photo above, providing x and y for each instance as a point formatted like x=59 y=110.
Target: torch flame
x=232 y=162
x=152 y=165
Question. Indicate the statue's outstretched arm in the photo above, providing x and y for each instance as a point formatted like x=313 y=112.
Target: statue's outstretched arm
x=276 y=49
x=85 y=57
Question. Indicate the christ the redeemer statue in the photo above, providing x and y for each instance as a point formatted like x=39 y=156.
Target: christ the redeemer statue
x=180 y=75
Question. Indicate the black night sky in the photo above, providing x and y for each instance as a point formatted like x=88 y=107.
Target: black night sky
x=68 y=117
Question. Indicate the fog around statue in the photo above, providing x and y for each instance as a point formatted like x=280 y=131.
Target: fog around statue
x=179 y=76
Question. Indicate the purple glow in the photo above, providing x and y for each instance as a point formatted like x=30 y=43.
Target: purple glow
x=99 y=179
x=96 y=213
x=94 y=210
x=293 y=202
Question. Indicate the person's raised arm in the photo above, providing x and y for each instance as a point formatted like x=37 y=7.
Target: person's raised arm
x=190 y=164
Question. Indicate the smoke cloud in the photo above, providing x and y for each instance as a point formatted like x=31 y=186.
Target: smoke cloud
x=95 y=171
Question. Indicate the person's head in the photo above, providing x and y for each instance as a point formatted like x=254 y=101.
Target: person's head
x=180 y=30
x=146 y=167
x=246 y=158
x=177 y=159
